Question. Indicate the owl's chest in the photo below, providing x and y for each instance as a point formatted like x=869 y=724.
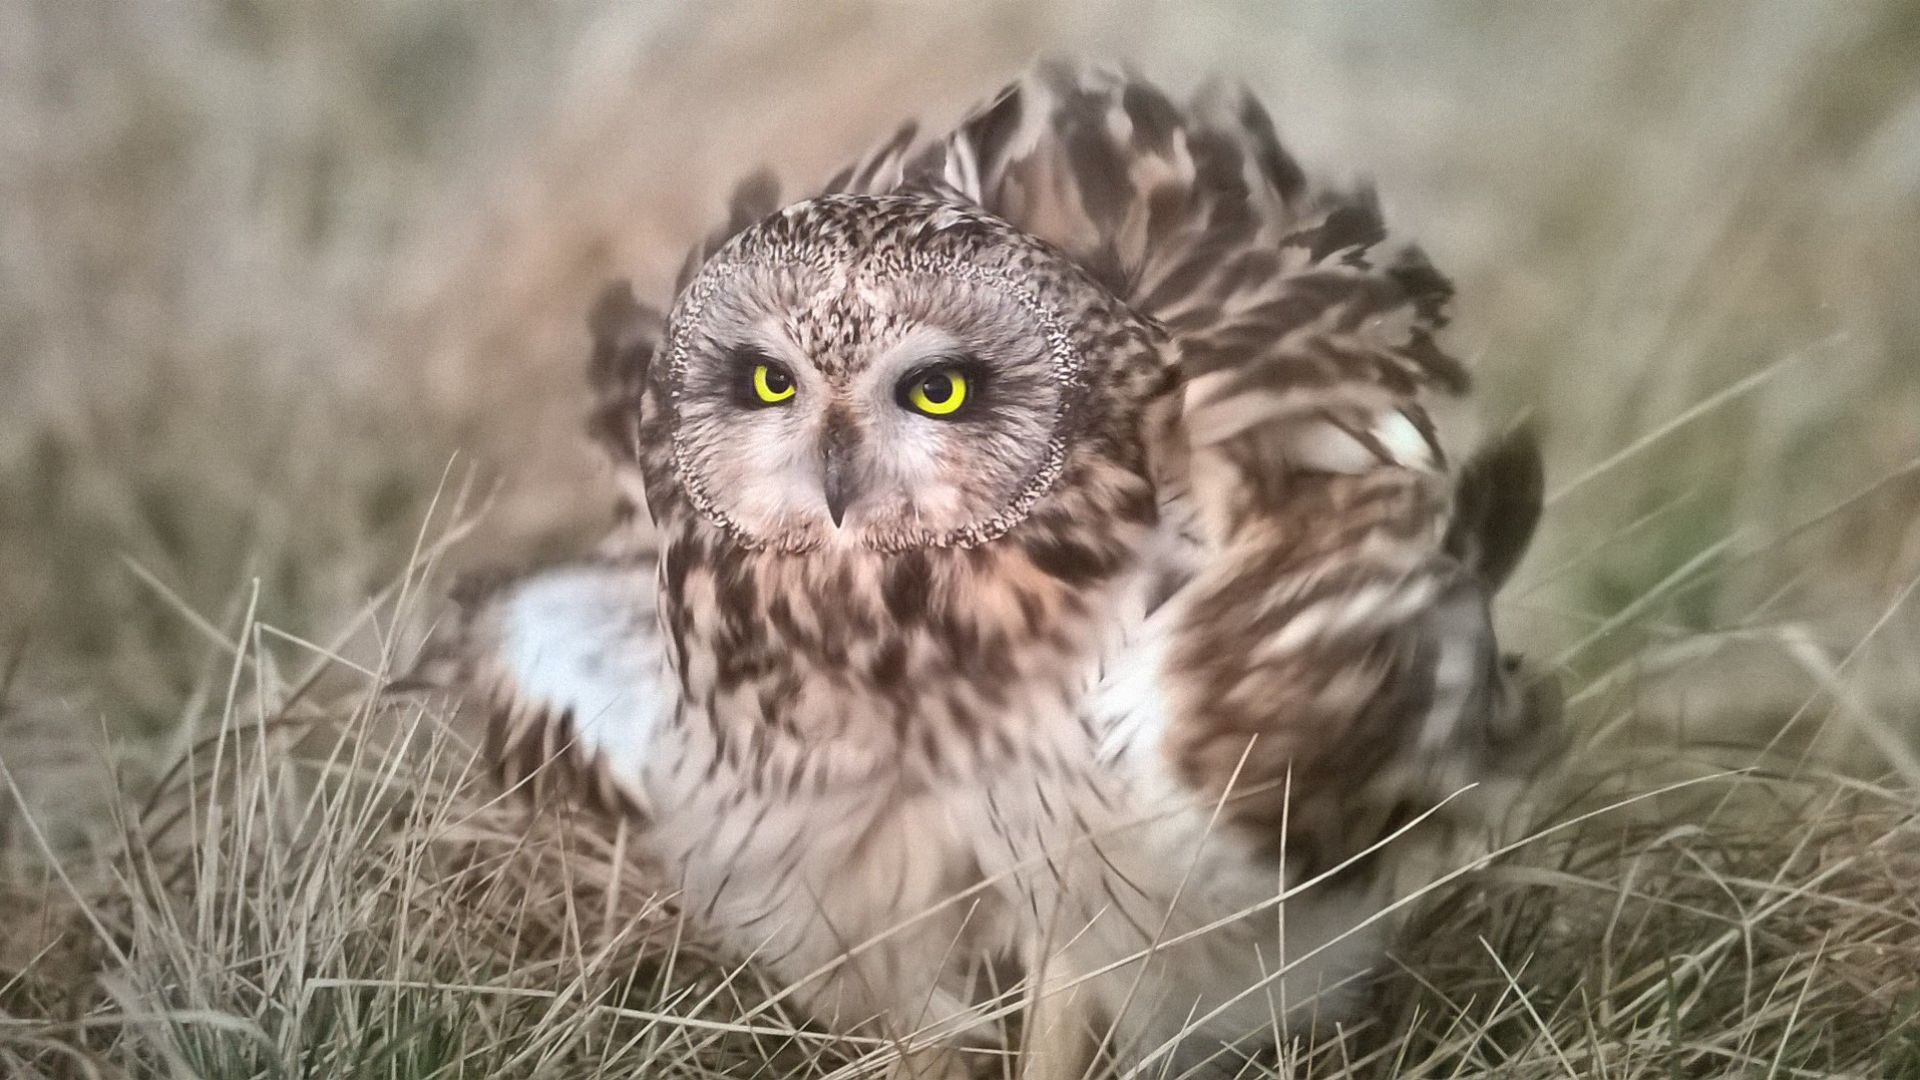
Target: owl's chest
x=911 y=706
x=835 y=684
x=871 y=754
x=873 y=795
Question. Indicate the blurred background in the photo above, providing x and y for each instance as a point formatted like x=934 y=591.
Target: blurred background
x=269 y=271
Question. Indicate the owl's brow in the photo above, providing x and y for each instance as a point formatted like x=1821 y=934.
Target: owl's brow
x=1068 y=370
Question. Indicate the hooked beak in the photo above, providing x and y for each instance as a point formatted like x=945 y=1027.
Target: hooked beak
x=835 y=482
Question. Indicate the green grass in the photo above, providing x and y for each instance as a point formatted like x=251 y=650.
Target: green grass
x=291 y=328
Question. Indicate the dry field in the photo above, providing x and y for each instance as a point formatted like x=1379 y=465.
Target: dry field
x=291 y=329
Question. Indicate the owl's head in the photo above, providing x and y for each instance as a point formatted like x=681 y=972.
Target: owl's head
x=884 y=373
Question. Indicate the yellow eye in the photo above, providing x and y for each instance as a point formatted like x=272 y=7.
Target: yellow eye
x=771 y=385
x=938 y=393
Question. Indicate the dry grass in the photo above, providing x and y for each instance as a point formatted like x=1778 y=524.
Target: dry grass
x=265 y=267
x=322 y=893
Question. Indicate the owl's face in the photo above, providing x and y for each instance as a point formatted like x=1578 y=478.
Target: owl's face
x=864 y=394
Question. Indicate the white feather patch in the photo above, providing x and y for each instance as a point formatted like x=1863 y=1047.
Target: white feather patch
x=1404 y=440
x=585 y=640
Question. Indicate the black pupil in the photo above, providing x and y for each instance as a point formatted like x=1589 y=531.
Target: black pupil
x=777 y=381
x=938 y=388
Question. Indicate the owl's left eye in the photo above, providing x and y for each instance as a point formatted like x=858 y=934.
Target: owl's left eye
x=936 y=391
x=771 y=384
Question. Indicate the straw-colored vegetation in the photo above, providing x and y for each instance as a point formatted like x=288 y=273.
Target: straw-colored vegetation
x=290 y=330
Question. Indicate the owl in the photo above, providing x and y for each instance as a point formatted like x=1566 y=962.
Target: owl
x=1037 y=554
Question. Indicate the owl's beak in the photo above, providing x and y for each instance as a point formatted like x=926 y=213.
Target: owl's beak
x=834 y=481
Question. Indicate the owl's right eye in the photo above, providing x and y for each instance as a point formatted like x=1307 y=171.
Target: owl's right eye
x=772 y=384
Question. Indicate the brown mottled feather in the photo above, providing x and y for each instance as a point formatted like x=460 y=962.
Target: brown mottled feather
x=1337 y=657
x=1200 y=220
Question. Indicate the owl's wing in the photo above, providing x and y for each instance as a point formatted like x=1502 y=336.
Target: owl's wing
x=567 y=666
x=1331 y=646
x=1334 y=660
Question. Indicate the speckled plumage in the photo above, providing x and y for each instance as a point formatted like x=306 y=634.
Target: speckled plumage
x=1195 y=609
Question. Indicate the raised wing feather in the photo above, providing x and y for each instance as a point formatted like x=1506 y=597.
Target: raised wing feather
x=1282 y=297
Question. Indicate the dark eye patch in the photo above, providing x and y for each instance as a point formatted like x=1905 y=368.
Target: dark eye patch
x=735 y=374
